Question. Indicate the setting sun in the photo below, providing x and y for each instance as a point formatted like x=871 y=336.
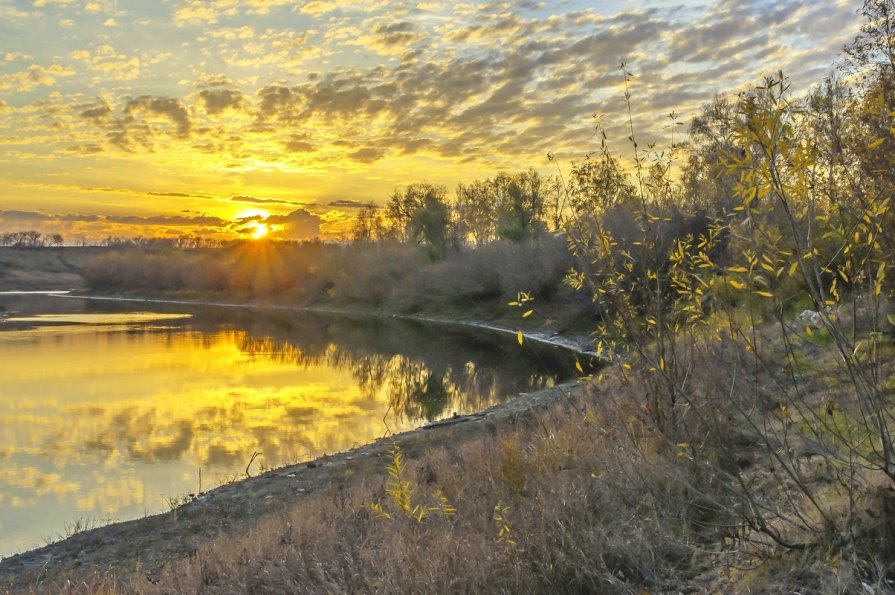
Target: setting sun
x=260 y=231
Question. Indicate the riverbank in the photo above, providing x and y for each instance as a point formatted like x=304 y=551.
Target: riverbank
x=578 y=343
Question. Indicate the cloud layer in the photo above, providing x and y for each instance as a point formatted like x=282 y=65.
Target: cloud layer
x=310 y=103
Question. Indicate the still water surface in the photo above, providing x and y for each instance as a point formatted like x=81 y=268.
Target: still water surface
x=110 y=410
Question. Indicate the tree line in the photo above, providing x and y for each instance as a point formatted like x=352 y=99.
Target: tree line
x=30 y=239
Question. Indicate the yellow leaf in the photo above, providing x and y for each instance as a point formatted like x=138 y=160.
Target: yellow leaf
x=766 y=294
x=891 y=319
x=737 y=270
x=875 y=143
x=793 y=267
x=527 y=314
x=736 y=284
x=519 y=337
x=578 y=366
x=808 y=331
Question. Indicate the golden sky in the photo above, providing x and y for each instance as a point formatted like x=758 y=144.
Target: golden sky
x=127 y=117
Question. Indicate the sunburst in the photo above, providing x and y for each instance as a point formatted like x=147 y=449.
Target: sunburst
x=261 y=230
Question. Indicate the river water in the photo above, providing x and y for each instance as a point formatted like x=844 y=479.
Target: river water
x=111 y=411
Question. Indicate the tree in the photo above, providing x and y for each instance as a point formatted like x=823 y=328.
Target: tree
x=520 y=205
x=707 y=185
x=430 y=225
x=369 y=225
x=476 y=216
x=420 y=214
x=597 y=184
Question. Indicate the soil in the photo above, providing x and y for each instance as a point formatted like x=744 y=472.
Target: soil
x=146 y=545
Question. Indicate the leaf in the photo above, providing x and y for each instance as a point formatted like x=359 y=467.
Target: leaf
x=737 y=270
x=527 y=314
x=891 y=319
x=875 y=143
x=519 y=337
x=766 y=294
x=736 y=284
x=578 y=366
x=808 y=331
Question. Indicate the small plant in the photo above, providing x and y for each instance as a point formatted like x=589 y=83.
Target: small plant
x=175 y=502
x=503 y=525
x=401 y=492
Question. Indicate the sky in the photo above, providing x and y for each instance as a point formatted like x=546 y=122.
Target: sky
x=170 y=117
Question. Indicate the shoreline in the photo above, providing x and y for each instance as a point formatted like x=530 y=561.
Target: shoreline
x=577 y=344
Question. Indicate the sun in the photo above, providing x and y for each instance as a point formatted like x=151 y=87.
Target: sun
x=260 y=231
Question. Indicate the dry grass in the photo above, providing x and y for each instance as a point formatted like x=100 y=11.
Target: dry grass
x=533 y=515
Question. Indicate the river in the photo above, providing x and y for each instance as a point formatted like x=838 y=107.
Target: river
x=114 y=410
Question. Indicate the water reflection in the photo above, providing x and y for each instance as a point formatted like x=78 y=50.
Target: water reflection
x=105 y=412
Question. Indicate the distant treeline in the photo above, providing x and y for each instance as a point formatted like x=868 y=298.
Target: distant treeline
x=30 y=239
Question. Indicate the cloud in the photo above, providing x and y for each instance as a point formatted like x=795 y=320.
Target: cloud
x=391 y=37
x=299 y=146
x=367 y=154
x=217 y=101
x=201 y=11
x=197 y=12
x=178 y=220
x=96 y=111
x=34 y=76
x=349 y=204
x=85 y=149
x=167 y=107
x=15 y=56
x=321 y=7
x=178 y=195
x=354 y=98
x=263 y=201
x=297 y=225
x=109 y=63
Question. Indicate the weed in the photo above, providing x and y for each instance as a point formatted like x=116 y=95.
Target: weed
x=401 y=491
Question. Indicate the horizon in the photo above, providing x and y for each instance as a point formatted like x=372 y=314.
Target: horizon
x=280 y=119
